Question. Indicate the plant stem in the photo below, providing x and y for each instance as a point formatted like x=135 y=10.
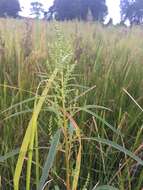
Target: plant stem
x=66 y=137
x=37 y=159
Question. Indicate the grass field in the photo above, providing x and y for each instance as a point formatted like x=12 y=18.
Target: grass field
x=71 y=106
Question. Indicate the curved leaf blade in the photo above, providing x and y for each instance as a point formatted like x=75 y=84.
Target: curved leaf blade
x=50 y=159
x=105 y=187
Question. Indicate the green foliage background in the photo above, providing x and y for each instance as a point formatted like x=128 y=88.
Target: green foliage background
x=102 y=80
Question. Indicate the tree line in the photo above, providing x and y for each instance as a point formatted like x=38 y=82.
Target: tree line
x=131 y=10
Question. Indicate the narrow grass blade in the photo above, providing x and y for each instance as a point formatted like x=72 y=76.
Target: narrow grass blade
x=50 y=159
x=31 y=130
x=133 y=99
x=9 y=155
x=17 y=104
x=98 y=117
x=105 y=187
x=118 y=147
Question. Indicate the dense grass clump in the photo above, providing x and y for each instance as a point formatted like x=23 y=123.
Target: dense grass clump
x=71 y=114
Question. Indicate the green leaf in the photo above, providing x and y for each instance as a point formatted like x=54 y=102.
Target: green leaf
x=101 y=119
x=9 y=155
x=57 y=188
x=50 y=159
x=31 y=131
x=118 y=147
x=105 y=187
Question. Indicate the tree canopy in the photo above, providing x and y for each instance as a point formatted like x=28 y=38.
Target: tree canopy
x=68 y=10
x=9 y=8
x=36 y=9
x=132 y=10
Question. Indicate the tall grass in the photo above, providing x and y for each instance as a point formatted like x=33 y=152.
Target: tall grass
x=71 y=106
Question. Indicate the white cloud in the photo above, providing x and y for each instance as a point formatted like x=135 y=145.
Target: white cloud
x=114 y=9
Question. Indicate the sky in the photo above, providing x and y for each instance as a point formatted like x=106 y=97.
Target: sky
x=113 y=8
